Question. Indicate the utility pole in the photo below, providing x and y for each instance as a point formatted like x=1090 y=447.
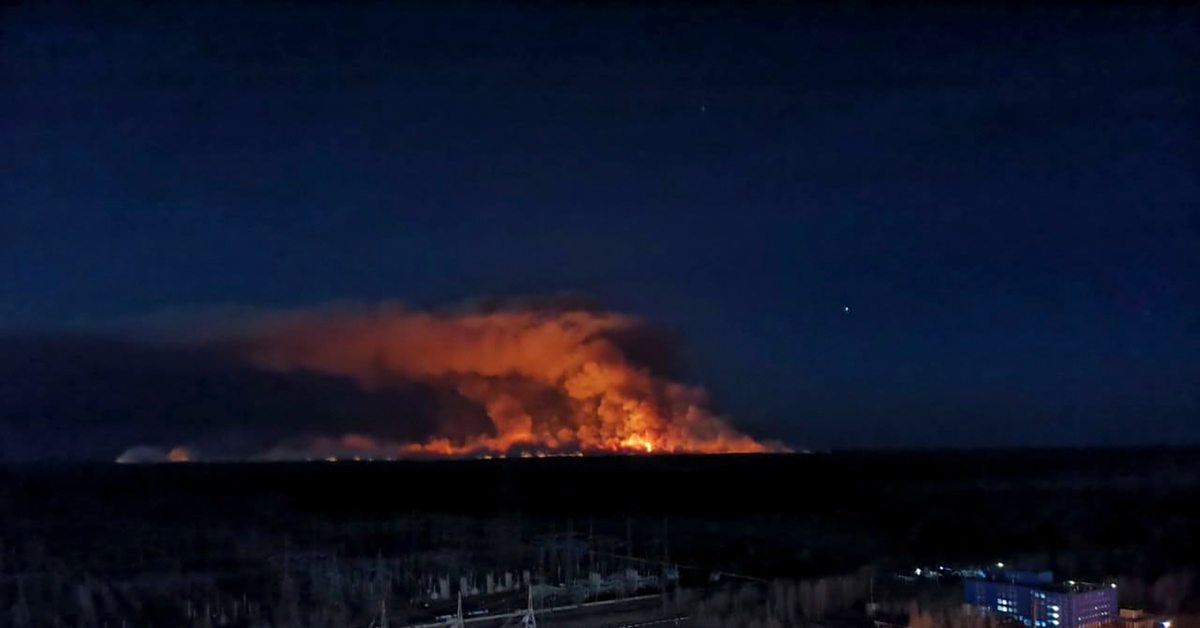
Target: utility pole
x=591 y=550
x=571 y=549
x=629 y=538
x=871 y=606
x=666 y=541
x=529 y=619
x=457 y=622
x=629 y=553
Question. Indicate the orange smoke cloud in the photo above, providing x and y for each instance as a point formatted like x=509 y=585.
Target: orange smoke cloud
x=548 y=380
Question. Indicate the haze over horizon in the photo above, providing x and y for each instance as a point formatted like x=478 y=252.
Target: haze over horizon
x=887 y=228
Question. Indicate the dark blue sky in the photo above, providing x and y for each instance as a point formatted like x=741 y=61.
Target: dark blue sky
x=1006 y=199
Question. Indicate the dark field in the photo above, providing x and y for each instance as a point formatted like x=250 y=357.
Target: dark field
x=224 y=531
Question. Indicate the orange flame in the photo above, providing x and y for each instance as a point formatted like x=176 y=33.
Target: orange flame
x=638 y=442
x=549 y=381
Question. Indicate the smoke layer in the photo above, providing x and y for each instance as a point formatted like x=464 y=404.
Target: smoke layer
x=540 y=376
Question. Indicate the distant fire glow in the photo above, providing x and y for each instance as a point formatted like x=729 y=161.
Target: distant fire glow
x=550 y=381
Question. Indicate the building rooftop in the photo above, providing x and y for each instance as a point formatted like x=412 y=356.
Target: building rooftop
x=1071 y=586
x=1041 y=580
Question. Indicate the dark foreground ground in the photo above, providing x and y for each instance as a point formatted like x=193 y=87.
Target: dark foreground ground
x=829 y=510
x=251 y=530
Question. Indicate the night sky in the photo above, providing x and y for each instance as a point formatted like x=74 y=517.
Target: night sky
x=903 y=227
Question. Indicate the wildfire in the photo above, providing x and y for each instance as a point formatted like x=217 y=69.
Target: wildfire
x=548 y=381
x=638 y=443
x=489 y=447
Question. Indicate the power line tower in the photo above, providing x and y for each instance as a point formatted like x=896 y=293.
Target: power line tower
x=529 y=620
x=457 y=620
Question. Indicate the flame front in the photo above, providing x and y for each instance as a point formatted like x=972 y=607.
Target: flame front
x=637 y=443
x=548 y=381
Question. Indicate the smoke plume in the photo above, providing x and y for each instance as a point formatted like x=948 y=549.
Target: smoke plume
x=526 y=376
